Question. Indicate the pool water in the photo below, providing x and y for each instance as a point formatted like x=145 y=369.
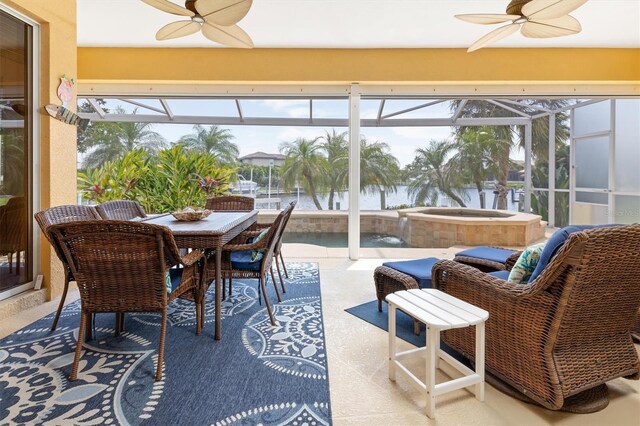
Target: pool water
x=339 y=239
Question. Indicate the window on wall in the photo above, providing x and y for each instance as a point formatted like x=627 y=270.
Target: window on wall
x=16 y=249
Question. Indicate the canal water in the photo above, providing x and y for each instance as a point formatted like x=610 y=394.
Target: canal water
x=372 y=201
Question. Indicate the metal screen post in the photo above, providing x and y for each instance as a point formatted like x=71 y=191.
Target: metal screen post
x=527 y=167
x=552 y=171
x=354 y=173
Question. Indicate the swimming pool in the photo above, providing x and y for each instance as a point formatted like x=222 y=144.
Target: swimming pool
x=339 y=239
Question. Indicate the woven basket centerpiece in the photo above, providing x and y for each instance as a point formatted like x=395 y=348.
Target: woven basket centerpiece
x=190 y=215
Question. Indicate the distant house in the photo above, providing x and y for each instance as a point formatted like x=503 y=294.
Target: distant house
x=262 y=159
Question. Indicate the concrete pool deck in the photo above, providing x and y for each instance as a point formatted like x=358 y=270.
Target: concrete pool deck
x=361 y=393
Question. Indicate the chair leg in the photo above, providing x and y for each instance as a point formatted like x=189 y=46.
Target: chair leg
x=119 y=323
x=273 y=279
x=284 y=290
x=284 y=266
x=266 y=301
x=88 y=334
x=224 y=289
x=10 y=262
x=230 y=285
x=60 y=305
x=163 y=329
x=379 y=305
x=76 y=357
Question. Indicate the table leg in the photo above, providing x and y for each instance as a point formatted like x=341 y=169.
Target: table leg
x=218 y=316
x=433 y=336
x=392 y=342
x=479 y=391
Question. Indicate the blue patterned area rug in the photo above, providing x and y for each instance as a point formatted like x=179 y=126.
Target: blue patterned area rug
x=257 y=374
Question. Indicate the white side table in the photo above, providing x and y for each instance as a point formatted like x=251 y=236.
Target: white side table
x=439 y=311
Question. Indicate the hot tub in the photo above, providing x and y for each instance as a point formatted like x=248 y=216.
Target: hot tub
x=446 y=227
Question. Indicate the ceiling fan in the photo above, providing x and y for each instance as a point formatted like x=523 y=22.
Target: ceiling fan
x=216 y=19
x=534 y=18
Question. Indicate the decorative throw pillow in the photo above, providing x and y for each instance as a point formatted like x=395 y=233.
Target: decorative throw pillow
x=256 y=255
x=167 y=281
x=526 y=264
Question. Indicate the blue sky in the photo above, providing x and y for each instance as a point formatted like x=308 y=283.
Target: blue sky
x=403 y=141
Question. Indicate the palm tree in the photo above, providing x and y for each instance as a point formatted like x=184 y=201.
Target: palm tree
x=214 y=140
x=379 y=170
x=305 y=163
x=507 y=134
x=337 y=148
x=478 y=155
x=116 y=139
x=430 y=173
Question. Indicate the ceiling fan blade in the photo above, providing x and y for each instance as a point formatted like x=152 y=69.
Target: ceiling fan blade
x=550 y=9
x=558 y=27
x=494 y=36
x=232 y=36
x=223 y=12
x=487 y=18
x=177 y=29
x=167 y=6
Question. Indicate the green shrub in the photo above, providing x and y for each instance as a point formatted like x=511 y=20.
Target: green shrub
x=166 y=181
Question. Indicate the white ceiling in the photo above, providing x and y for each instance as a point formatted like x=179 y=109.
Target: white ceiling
x=355 y=24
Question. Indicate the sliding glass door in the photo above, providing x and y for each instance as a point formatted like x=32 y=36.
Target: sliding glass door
x=16 y=142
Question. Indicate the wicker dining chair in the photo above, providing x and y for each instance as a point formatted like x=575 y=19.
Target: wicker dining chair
x=277 y=257
x=237 y=203
x=54 y=216
x=236 y=258
x=120 y=210
x=558 y=339
x=121 y=266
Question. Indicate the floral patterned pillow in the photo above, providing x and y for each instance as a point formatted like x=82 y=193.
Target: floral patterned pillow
x=526 y=264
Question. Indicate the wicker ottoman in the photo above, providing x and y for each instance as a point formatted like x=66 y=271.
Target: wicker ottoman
x=403 y=275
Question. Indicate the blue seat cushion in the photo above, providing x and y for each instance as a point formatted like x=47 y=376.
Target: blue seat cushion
x=241 y=260
x=488 y=253
x=175 y=275
x=555 y=242
x=419 y=269
x=503 y=275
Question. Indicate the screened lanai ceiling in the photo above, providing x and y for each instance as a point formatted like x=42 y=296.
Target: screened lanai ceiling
x=314 y=111
x=355 y=24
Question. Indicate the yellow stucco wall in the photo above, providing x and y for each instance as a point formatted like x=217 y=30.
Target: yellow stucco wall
x=366 y=66
x=58 y=55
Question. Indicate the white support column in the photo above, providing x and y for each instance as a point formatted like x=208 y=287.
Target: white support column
x=552 y=170
x=527 y=167
x=354 y=172
x=612 y=164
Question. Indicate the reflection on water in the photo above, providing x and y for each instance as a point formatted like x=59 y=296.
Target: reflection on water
x=339 y=239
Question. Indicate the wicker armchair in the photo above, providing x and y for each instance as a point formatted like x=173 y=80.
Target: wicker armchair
x=236 y=262
x=120 y=266
x=120 y=210
x=558 y=339
x=54 y=216
x=237 y=203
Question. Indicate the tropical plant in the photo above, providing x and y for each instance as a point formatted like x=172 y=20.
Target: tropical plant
x=430 y=173
x=213 y=140
x=305 y=164
x=336 y=147
x=379 y=170
x=114 y=139
x=165 y=181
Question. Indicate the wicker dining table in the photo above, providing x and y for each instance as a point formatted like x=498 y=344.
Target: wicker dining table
x=212 y=233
